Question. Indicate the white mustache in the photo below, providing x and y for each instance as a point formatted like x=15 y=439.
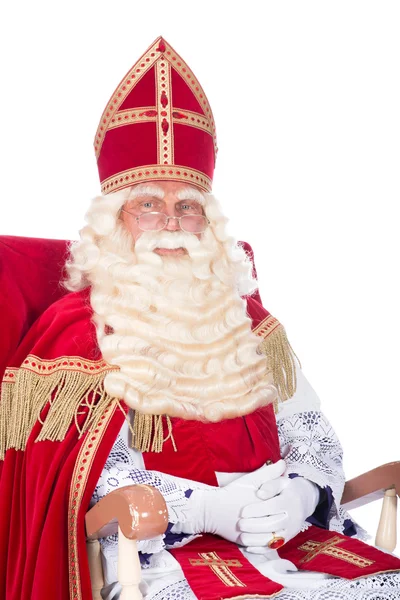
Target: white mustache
x=149 y=240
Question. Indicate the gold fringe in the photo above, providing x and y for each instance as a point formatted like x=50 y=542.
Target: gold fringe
x=281 y=358
x=147 y=432
x=5 y=415
x=76 y=393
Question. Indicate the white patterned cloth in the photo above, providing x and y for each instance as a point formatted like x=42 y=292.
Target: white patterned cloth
x=311 y=449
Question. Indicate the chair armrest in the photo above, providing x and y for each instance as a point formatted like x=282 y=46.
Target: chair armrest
x=139 y=510
x=371 y=485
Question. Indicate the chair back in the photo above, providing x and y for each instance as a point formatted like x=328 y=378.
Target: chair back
x=31 y=270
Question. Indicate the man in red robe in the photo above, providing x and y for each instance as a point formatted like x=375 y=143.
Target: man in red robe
x=163 y=336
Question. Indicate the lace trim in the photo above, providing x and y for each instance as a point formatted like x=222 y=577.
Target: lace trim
x=120 y=470
x=311 y=449
x=384 y=586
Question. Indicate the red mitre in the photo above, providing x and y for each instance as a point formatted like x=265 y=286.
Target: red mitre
x=157 y=125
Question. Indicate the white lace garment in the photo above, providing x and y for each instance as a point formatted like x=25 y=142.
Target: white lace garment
x=311 y=449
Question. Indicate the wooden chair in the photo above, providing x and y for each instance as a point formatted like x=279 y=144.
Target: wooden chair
x=113 y=513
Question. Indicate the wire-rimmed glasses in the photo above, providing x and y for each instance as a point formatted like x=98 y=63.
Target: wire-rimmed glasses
x=156 y=221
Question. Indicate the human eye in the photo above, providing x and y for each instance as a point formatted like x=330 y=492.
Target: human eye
x=152 y=205
x=190 y=207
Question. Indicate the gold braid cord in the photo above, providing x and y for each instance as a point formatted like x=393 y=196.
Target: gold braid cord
x=280 y=354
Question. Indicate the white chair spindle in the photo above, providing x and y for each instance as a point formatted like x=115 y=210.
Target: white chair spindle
x=95 y=568
x=386 y=537
x=129 y=573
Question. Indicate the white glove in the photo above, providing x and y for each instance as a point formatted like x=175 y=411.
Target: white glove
x=286 y=573
x=287 y=504
x=218 y=510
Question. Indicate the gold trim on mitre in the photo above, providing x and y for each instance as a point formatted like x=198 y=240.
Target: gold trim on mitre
x=280 y=354
x=155 y=173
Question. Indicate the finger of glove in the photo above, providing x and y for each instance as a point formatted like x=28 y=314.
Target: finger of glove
x=259 y=539
x=261 y=475
x=265 y=508
x=272 y=488
x=266 y=525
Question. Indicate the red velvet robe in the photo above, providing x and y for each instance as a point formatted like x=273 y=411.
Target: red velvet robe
x=45 y=488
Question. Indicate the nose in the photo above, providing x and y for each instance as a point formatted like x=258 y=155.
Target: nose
x=173 y=223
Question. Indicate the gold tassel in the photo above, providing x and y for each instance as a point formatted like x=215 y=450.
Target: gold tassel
x=147 y=432
x=281 y=359
x=5 y=416
x=75 y=392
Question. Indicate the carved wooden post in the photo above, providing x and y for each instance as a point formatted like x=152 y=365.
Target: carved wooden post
x=386 y=536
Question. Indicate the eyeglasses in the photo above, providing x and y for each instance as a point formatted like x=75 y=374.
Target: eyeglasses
x=156 y=221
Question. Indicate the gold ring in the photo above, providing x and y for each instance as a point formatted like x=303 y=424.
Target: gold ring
x=276 y=542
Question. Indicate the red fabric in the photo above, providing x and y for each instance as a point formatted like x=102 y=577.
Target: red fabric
x=191 y=148
x=121 y=149
x=35 y=484
x=30 y=273
x=143 y=93
x=209 y=563
x=183 y=98
x=162 y=83
x=232 y=446
x=341 y=565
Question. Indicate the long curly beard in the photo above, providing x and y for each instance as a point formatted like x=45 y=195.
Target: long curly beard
x=180 y=334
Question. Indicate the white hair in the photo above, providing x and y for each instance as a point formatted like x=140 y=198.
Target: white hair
x=104 y=227
x=176 y=327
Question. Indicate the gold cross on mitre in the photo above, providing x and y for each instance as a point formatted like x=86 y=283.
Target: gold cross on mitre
x=330 y=549
x=220 y=567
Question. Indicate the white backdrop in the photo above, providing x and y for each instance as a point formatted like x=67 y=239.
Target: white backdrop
x=306 y=98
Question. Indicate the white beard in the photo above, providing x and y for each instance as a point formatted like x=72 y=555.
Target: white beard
x=180 y=333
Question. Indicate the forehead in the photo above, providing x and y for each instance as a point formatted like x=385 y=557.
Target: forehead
x=167 y=190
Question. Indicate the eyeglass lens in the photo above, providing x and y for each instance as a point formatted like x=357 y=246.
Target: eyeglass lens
x=157 y=221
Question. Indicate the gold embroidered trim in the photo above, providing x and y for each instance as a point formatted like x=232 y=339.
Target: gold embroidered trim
x=220 y=567
x=72 y=387
x=280 y=354
x=165 y=139
x=192 y=119
x=140 y=68
x=79 y=481
x=183 y=69
x=266 y=326
x=42 y=366
x=330 y=548
x=154 y=173
x=144 y=114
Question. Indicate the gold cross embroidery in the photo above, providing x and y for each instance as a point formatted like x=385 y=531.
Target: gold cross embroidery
x=219 y=567
x=330 y=549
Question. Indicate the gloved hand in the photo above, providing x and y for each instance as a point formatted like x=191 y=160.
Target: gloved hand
x=218 y=509
x=286 y=504
x=286 y=573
